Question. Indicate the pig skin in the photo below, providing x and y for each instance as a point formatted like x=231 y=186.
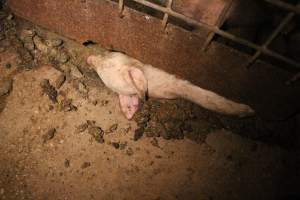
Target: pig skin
x=133 y=81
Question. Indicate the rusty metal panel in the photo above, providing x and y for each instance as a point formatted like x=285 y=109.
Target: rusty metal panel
x=207 y=11
x=140 y=36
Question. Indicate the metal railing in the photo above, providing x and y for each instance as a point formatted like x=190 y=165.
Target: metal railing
x=215 y=29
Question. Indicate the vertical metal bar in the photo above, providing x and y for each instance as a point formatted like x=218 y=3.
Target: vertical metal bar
x=166 y=15
x=121 y=8
x=219 y=23
x=274 y=34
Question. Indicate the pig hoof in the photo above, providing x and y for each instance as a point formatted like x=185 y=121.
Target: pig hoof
x=89 y=60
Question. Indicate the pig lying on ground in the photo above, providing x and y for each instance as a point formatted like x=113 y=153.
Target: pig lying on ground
x=133 y=81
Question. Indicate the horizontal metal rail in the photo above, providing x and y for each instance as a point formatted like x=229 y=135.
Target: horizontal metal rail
x=285 y=6
x=217 y=30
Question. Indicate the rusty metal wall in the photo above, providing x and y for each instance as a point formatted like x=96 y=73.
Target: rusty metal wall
x=141 y=36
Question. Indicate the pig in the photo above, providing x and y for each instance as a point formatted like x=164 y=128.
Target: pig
x=134 y=81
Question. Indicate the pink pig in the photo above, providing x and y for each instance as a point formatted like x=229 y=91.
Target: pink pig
x=133 y=81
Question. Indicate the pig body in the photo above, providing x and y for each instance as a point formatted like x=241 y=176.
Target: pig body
x=134 y=80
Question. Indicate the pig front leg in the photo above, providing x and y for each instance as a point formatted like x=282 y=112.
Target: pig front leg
x=129 y=104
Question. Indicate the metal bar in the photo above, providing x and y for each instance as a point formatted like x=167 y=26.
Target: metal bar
x=218 y=31
x=208 y=40
x=253 y=59
x=281 y=57
x=295 y=78
x=166 y=16
x=219 y=23
x=275 y=33
x=285 y=6
x=165 y=20
x=121 y=7
x=191 y=21
x=281 y=26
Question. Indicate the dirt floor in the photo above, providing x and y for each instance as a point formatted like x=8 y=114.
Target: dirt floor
x=62 y=135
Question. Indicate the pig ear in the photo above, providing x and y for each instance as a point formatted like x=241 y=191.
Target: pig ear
x=139 y=81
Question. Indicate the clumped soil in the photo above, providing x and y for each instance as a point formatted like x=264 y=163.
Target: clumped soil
x=63 y=136
x=180 y=119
